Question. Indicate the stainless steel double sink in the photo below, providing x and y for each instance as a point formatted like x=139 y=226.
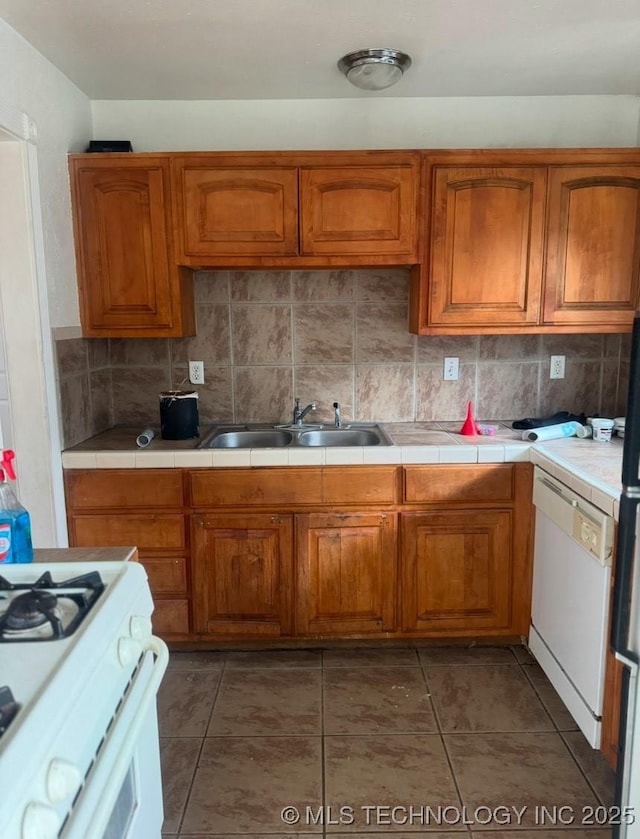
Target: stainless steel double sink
x=279 y=436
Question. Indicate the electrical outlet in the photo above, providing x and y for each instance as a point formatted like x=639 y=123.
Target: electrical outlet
x=196 y=372
x=451 y=369
x=556 y=370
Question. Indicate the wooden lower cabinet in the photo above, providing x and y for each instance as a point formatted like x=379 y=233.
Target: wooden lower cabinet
x=381 y=551
x=141 y=507
x=456 y=571
x=346 y=573
x=242 y=574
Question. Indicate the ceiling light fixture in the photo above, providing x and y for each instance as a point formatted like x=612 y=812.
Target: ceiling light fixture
x=374 y=69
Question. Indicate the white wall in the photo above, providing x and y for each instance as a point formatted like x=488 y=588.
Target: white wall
x=37 y=265
x=480 y=122
x=62 y=114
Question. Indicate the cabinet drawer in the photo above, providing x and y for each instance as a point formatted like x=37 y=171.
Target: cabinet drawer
x=170 y=617
x=359 y=485
x=455 y=483
x=150 y=531
x=256 y=487
x=96 y=488
x=166 y=573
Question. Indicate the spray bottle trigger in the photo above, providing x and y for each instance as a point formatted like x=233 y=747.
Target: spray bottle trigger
x=7 y=463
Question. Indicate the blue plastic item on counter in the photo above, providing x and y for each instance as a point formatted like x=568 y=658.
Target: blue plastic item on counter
x=15 y=523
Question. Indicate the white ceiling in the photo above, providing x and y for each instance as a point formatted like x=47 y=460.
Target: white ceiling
x=288 y=49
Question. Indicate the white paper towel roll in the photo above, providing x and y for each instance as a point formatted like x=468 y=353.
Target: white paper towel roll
x=145 y=437
x=553 y=432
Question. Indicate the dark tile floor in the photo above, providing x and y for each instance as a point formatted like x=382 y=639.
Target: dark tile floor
x=471 y=740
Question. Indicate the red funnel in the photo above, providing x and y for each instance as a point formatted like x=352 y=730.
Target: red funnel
x=470 y=426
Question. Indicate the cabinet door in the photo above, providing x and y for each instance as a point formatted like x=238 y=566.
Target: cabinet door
x=346 y=567
x=128 y=284
x=593 y=254
x=456 y=571
x=235 y=212
x=486 y=246
x=242 y=573
x=360 y=211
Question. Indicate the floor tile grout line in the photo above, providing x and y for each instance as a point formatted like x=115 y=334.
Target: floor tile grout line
x=582 y=771
x=203 y=739
x=540 y=697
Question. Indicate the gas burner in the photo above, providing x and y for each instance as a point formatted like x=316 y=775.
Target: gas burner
x=29 y=610
x=39 y=614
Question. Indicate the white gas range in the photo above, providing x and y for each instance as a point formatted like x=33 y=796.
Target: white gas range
x=79 y=673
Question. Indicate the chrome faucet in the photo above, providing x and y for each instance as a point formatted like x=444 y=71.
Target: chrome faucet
x=338 y=416
x=300 y=413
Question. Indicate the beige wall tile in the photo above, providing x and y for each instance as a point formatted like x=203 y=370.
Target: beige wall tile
x=260 y=286
x=611 y=347
x=608 y=397
x=75 y=405
x=323 y=333
x=325 y=384
x=573 y=346
x=101 y=394
x=215 y=396
x=211 y=288
x=99 y=355
x=578 y=392
x=381 y=333
x=507 y=391
x=140 y=352
x=509 y=347
x=136 y=395
x=261 y=334
x=434 y=349
x=440 y=400
x=383 y=284
x=263 y=394
x=71 y=357
x=310 y=286
x=385 y=392
x=623 y=390
x=212 y=344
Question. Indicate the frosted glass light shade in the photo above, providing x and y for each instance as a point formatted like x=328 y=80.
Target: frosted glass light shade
x=374 y=69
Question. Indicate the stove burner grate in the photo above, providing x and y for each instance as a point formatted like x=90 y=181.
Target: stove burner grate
x=39 y=605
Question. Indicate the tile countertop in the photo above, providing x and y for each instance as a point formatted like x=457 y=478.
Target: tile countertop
x=591 y=469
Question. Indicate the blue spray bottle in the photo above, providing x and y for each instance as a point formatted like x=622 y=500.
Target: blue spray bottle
x=15 y=524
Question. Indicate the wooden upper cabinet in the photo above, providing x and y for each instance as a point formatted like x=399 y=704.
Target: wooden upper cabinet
x=359 y=211
x=486 y=245
x=239 y=211
x=128 y=283
x=593 y=254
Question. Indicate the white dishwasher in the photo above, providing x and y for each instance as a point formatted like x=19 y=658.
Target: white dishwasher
x=570 y=605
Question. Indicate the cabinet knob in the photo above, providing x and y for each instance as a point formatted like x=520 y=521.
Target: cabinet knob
x=276 y=520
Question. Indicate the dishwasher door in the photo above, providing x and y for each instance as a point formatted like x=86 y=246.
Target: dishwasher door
x=570 y=605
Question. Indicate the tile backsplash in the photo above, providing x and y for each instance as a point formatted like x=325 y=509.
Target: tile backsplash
x=330 y=336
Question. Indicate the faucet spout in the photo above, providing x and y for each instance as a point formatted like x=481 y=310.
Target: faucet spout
x=338 y=416
x=300 y=413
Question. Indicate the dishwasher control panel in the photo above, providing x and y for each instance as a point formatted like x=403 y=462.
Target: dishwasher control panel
x=588 y=533
x=590 y=527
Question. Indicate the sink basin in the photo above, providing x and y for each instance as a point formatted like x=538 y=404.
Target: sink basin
x=267 y=437
x=340 y=437
x=260 y=439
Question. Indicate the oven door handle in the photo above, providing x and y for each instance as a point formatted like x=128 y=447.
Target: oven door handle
x=90 y=817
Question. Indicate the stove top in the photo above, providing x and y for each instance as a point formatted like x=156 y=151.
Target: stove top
x=45 y=609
